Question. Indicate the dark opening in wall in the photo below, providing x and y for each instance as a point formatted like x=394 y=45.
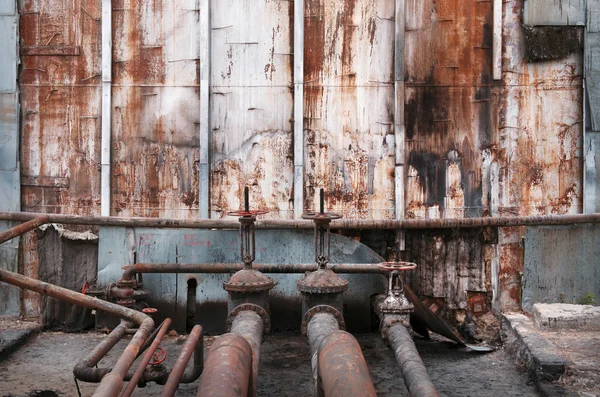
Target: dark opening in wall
x=190 y=319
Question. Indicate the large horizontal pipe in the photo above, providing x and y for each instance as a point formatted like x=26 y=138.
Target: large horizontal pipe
x=320 y=327
x=228 y=368
x=498 y=221
x=193 y=344
x=342 y=367
x=250 y=325
x=112 y=383
x=301 y=268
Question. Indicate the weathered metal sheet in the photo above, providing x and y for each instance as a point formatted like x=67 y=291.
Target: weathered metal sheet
x=349 y=106
x=448 y=107
x=60 y=107
x=206 y=246
x=555 y=12
x=561 y=264
x=252 y=106
x=8 y=49
x=10 y=195
x=592 y=77
x=539 y=146
x=155 y=109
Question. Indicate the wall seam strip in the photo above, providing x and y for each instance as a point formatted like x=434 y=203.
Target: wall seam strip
x=106 y=106
x=204 y=172
x=298 y=108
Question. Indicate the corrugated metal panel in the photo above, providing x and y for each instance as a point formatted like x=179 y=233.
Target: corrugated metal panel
x=168 y=292
x=554 y=12
x=349 y=106
x=561 y=264
x=155 y=109
x=252 y=106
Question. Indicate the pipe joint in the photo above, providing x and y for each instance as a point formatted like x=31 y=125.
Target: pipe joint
x=264 y=315
x=310 y=314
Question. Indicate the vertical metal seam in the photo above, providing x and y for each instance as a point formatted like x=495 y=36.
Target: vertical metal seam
x=497 y=40
x=298 y=108
x=204 y=172
x=399 y=119
x=106 y=106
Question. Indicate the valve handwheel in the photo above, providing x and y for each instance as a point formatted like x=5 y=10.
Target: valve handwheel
x=159 y=356
x=315 y=215
x=247 y=213
x=397 y=266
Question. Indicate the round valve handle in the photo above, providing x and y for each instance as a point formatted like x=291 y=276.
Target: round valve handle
x=316 y=215
x=397 y=266
x=247 y=213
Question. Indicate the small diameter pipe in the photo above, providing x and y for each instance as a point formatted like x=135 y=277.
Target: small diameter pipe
x=146 y=358
x=390 y=224
x=193 y=344
x=300 y=268
x=319 y=327
x=342 y=367
x=250 y=325
x=112 y=383
x=228 y=368
x=413 y=370
x=24 y=228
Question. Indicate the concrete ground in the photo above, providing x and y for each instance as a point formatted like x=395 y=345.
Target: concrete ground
x=558 y=345
x=43 y=368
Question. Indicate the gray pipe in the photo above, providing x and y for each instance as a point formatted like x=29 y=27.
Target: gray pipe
x=250 y=325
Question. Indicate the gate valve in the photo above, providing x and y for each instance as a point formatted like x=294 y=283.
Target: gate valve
x=322 y=220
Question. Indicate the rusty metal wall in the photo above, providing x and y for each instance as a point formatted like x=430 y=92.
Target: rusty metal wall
x=155 y=108
x=251 y=106
x=349 y=106
x=473 y=146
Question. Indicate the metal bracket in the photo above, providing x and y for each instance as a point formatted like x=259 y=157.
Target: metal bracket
x=321 y=309
x=250 y=307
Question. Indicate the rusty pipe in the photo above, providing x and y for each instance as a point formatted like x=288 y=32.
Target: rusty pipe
x=413 y=370
x=300 y=268
x=390 y=224
x=146 y=358
x=193 y=344
x=395 y=332
x=228 y=368
x=23 y=228
x=342 y=368
x=111 y=383
x=250 y=325
x=85 y=369
x=320 y=326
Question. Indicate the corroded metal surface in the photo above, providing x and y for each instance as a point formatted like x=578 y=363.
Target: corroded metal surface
x=349 y=106
x=252 y=104
x=155 y=109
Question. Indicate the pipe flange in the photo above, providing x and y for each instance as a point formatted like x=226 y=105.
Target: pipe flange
x=126 y=283
x=250 y=307
x=321 y=309
x=389 y=321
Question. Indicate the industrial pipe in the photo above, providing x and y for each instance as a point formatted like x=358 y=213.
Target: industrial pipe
x=342 y=367
x=300 y=268
x=23 y=228
x=112 y=383
x=228 y=368
x=391 y=224
x=320 y=326
x=193 y=344
x=146 y=358
x=413 y=370
x=250 y=325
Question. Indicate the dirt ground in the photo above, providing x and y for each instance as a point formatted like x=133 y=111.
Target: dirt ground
x=43 y=368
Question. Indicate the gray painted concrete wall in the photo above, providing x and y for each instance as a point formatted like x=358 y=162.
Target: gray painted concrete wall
x=562 y=264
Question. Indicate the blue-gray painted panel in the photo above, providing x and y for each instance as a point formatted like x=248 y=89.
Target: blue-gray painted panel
x=8 y=7
x=213 y=246
x=8 y=53
x=554 y=12
x=562 y=264
x=9 y=295
x=9 y=132
x=592 y=78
